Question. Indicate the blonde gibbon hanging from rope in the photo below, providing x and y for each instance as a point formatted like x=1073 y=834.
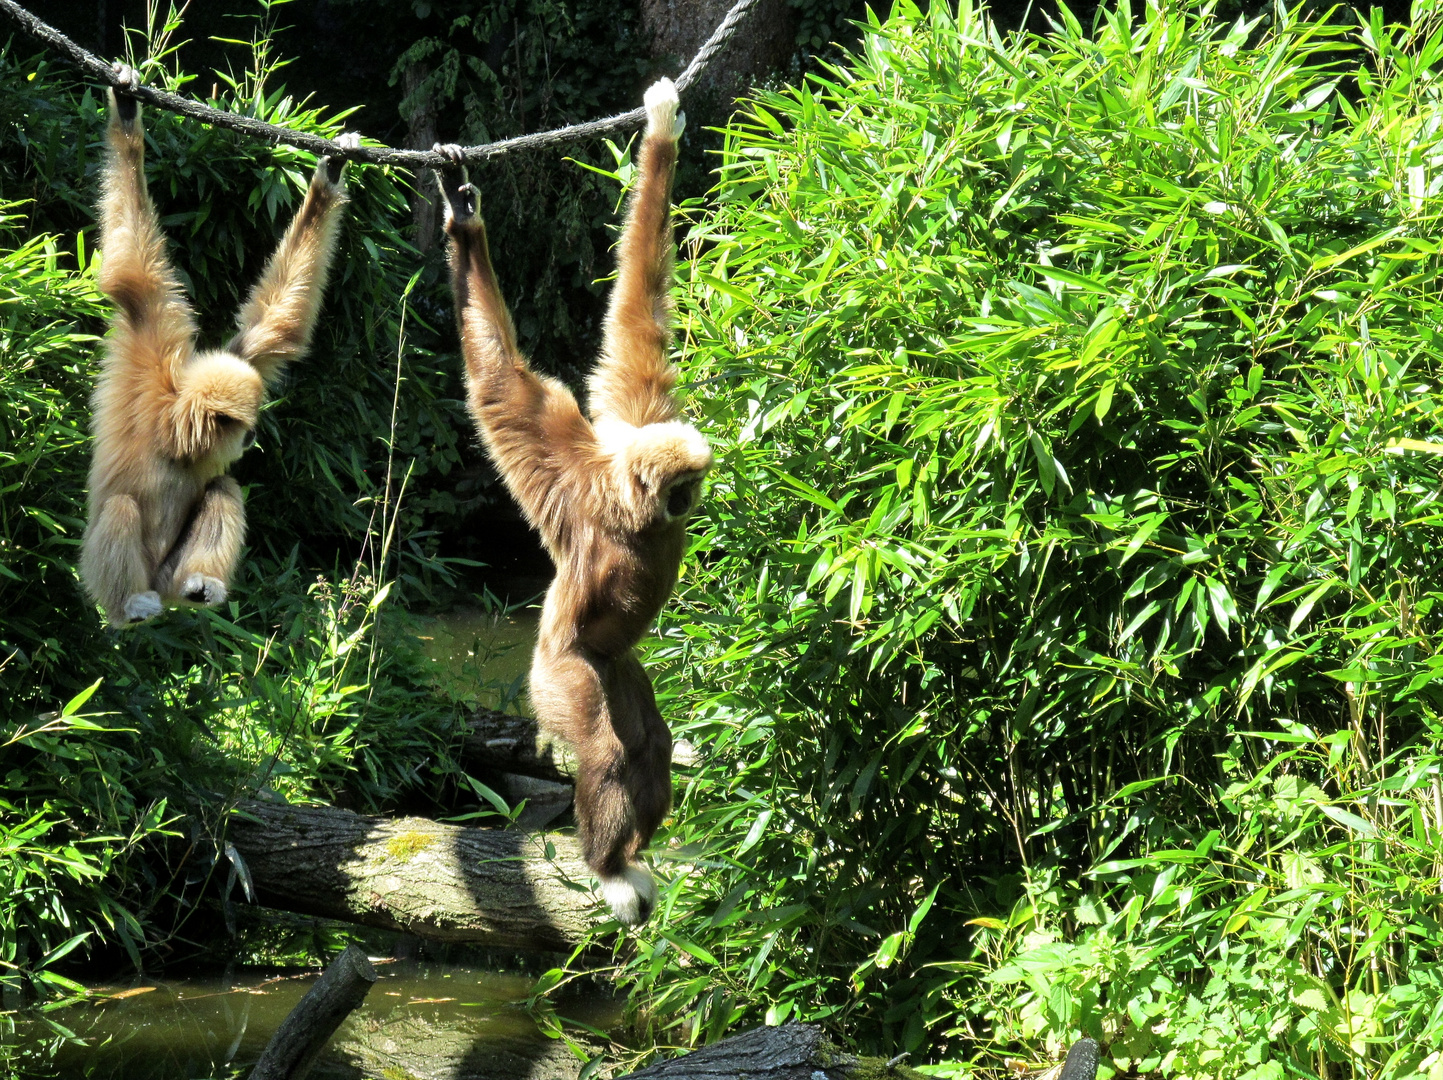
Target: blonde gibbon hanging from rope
x=610 y=494
x=166 y=521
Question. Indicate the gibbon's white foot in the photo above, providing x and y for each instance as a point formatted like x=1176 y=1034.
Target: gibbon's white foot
x=199 y=589
x=632 y=896
x=142 y=606
x=334 y=167
x=662 y=117
x=126 y=107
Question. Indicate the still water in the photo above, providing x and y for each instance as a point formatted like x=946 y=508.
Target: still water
x=477 y=656
x=421 y=1020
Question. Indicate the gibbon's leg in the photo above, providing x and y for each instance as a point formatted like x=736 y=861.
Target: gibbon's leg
x=279 y=316
x=634 y=379
x=531 y=424
x=646 y=740
x=113 y=564
x=199 y=567
x=569 y=695
x=154 y=326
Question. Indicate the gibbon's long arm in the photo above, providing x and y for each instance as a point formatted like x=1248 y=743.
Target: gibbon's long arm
x=531 y=424
x=634 y=380
x=279 y=316
x=154 y=325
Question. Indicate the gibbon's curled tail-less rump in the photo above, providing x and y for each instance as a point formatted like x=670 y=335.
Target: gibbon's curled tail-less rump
x=166 y=523
x=610 y=494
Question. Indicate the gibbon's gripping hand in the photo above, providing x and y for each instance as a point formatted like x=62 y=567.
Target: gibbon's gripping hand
x=461 y=196
x=332 y=169
x=662 y=116
x=125 y=108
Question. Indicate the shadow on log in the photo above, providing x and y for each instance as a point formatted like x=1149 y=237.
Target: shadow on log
x=303 y=1034
x=495 y=887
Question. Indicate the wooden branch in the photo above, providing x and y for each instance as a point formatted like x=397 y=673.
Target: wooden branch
x=93 y=66
x=308 y=1027
x=498 y=887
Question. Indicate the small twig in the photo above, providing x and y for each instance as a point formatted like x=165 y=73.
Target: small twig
x=91 y=65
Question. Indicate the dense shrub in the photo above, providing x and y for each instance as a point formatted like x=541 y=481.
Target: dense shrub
x=1059 y=633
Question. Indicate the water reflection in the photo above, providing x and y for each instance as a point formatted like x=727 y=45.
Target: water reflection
x=423 y=1020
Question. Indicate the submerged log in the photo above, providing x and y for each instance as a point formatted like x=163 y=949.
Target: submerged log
x=303 y=1034
x=498 y=887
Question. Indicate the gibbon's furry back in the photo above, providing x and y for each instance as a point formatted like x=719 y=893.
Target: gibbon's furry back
x=610 y=494
x=166 y=523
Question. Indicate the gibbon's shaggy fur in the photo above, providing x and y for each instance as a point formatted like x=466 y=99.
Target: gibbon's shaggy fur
x=166 y=522
x=610 y=496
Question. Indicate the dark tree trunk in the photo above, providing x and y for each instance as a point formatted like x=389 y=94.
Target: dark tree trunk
x=420 y=118
x=500 y=887
x=761 y=46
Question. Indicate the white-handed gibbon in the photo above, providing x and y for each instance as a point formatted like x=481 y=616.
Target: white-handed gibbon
x=610 y=496
x=166 y=521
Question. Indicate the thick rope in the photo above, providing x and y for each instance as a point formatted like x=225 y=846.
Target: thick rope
x=92 y=65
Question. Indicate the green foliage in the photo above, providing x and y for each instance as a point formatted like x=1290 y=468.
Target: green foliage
x=1058 y=634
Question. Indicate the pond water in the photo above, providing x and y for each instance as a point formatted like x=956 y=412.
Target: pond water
x=421 y=1020
x=478 y=656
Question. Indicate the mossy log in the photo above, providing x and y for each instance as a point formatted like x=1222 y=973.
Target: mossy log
x=497 y=887
x=421 y=1048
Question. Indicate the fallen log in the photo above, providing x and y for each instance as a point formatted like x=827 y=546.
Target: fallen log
x=516 y=744
x=421 y=1048
x=790 y=1052
x=802 y=1052
x=498 y=887
x=307 y=1028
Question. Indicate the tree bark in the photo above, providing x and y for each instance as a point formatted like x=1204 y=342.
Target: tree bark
x=303 y=1034
x=499 y=887
x=420 y=116
x=760 y=48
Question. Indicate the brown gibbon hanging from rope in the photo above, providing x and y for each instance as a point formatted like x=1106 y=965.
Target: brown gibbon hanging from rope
x=610 y=494
x=166 y=521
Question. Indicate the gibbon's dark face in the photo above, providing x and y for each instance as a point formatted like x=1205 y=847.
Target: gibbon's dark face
x=233 y=437
x=681 y=498
x=217 y=406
